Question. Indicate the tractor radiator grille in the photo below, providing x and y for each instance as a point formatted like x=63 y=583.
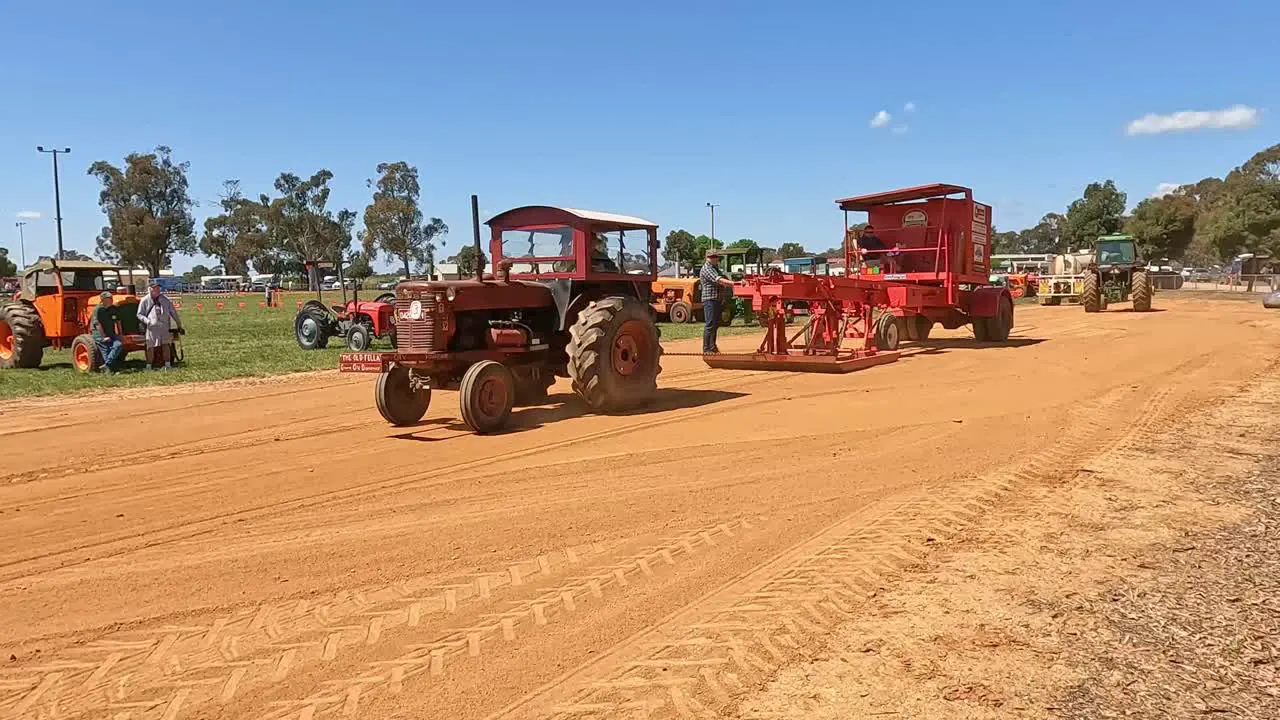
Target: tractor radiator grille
x=418 y=335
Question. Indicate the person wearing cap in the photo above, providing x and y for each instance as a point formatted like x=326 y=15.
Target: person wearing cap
x=710 y=279
x=104 y=325
x=158 y=316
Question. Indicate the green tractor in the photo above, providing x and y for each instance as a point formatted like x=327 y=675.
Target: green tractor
x=1117 y=273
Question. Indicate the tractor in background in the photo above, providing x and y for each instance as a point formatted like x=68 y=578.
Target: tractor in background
x=570 y=298
x=52 y=308
x=356 y=322
x=1116 y=273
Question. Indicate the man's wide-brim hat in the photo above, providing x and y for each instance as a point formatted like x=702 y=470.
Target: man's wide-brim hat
x=713 y=254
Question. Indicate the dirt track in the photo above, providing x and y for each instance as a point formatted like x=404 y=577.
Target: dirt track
x=275 y=550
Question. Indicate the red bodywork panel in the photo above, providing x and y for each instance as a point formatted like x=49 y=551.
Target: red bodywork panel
x=942 y=240
x=381 y=315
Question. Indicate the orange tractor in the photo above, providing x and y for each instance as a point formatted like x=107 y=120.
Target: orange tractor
x=52 y=308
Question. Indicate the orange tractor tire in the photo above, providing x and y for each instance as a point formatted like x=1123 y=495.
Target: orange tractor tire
x=84 y=354
x=22 y=337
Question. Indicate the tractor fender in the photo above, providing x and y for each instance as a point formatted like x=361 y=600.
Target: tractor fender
x=985 y=301
x=316 y=306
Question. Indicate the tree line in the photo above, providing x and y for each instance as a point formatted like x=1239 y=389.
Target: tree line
x=1200 y=224
x=148 y=210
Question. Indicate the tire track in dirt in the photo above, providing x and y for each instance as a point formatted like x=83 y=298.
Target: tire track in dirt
x=693 y=665
x=454 y=472
x=170 y=670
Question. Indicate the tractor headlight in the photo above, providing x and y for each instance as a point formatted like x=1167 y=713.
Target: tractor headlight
x=450 y=293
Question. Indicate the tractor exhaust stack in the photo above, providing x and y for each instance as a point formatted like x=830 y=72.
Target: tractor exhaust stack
x=475 y=230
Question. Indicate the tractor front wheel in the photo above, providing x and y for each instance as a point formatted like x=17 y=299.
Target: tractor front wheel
x=681 y=312
x=311 y=328
x=1091 y=298
x=614 y=355
x=487 y=395
x=888 y=332
x=21 y=336
x=359 y=337
x=401 y=401
x=1140 y=290
x=84 y=354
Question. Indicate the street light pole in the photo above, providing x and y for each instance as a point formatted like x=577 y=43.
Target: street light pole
x=57 y=195
x=22 y=244
x=713 y=207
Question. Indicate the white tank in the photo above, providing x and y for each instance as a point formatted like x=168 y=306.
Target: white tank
x=1072 y=264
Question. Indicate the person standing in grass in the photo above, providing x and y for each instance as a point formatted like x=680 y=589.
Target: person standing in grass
x=158 y=315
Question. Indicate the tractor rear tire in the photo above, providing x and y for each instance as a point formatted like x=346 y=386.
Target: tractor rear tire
x=359 y=337
x=22 y=338
x=681 y=312
x=888 y=332
x=1140 y=291
x=614 y=355
x=1091 y=298
x=487 y=395
x=84 y=354
x=311 y=329
x=398 y=402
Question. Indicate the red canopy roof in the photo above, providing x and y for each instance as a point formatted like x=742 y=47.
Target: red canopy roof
x=922 y=192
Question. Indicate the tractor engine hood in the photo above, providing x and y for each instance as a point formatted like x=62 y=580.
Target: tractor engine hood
x=487 y=294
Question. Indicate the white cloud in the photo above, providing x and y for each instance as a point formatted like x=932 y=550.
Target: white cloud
x=1237 y=117
x=1165 y=188
x=881 y=119
x=909 y=107
x=28 y=215
x=899 y=130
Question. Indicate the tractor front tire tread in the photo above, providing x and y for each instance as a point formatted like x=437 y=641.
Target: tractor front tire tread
x=398 y=403
x=1140 y=291
x=1091 y=297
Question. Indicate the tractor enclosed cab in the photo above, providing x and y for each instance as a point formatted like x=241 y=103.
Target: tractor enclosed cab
x=356 y=321
x=570 y=298
x=53 y=308
x=1117 y=273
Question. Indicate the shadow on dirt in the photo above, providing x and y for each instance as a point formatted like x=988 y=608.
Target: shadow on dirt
x=563 y=406
x=971 y=344
x=1130 y=309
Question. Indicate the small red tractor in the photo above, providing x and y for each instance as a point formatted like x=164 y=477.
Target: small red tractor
x=570 y=298
x=938 y=247
x=357 y=322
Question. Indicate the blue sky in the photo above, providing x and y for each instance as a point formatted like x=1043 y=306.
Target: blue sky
x=650 y=109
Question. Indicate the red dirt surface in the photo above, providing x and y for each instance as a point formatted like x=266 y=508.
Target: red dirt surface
x=274 y=550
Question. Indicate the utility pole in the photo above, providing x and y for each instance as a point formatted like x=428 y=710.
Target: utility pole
x=713 y=207
x=57 y=194
x=22 y=245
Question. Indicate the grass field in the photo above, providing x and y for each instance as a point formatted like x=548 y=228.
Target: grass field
x=224 y=344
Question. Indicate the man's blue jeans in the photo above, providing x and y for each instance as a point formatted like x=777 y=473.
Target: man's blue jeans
x=711 y=313
x=110 y=349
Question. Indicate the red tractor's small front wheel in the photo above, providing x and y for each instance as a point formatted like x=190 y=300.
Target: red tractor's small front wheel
x=487 y=395
x=401 y=398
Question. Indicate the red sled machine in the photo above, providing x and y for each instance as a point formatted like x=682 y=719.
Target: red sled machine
x=933 y=268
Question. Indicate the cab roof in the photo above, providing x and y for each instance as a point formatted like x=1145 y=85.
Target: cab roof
x=547 y=215
x=919 y=192
x=70 y=265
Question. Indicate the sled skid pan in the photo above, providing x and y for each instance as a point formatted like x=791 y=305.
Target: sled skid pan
x=799 y=363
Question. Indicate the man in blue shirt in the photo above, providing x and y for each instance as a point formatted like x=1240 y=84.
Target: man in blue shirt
x=710 y=280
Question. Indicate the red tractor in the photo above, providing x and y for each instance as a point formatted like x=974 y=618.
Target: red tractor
x=356 y=322
x=570 y=298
